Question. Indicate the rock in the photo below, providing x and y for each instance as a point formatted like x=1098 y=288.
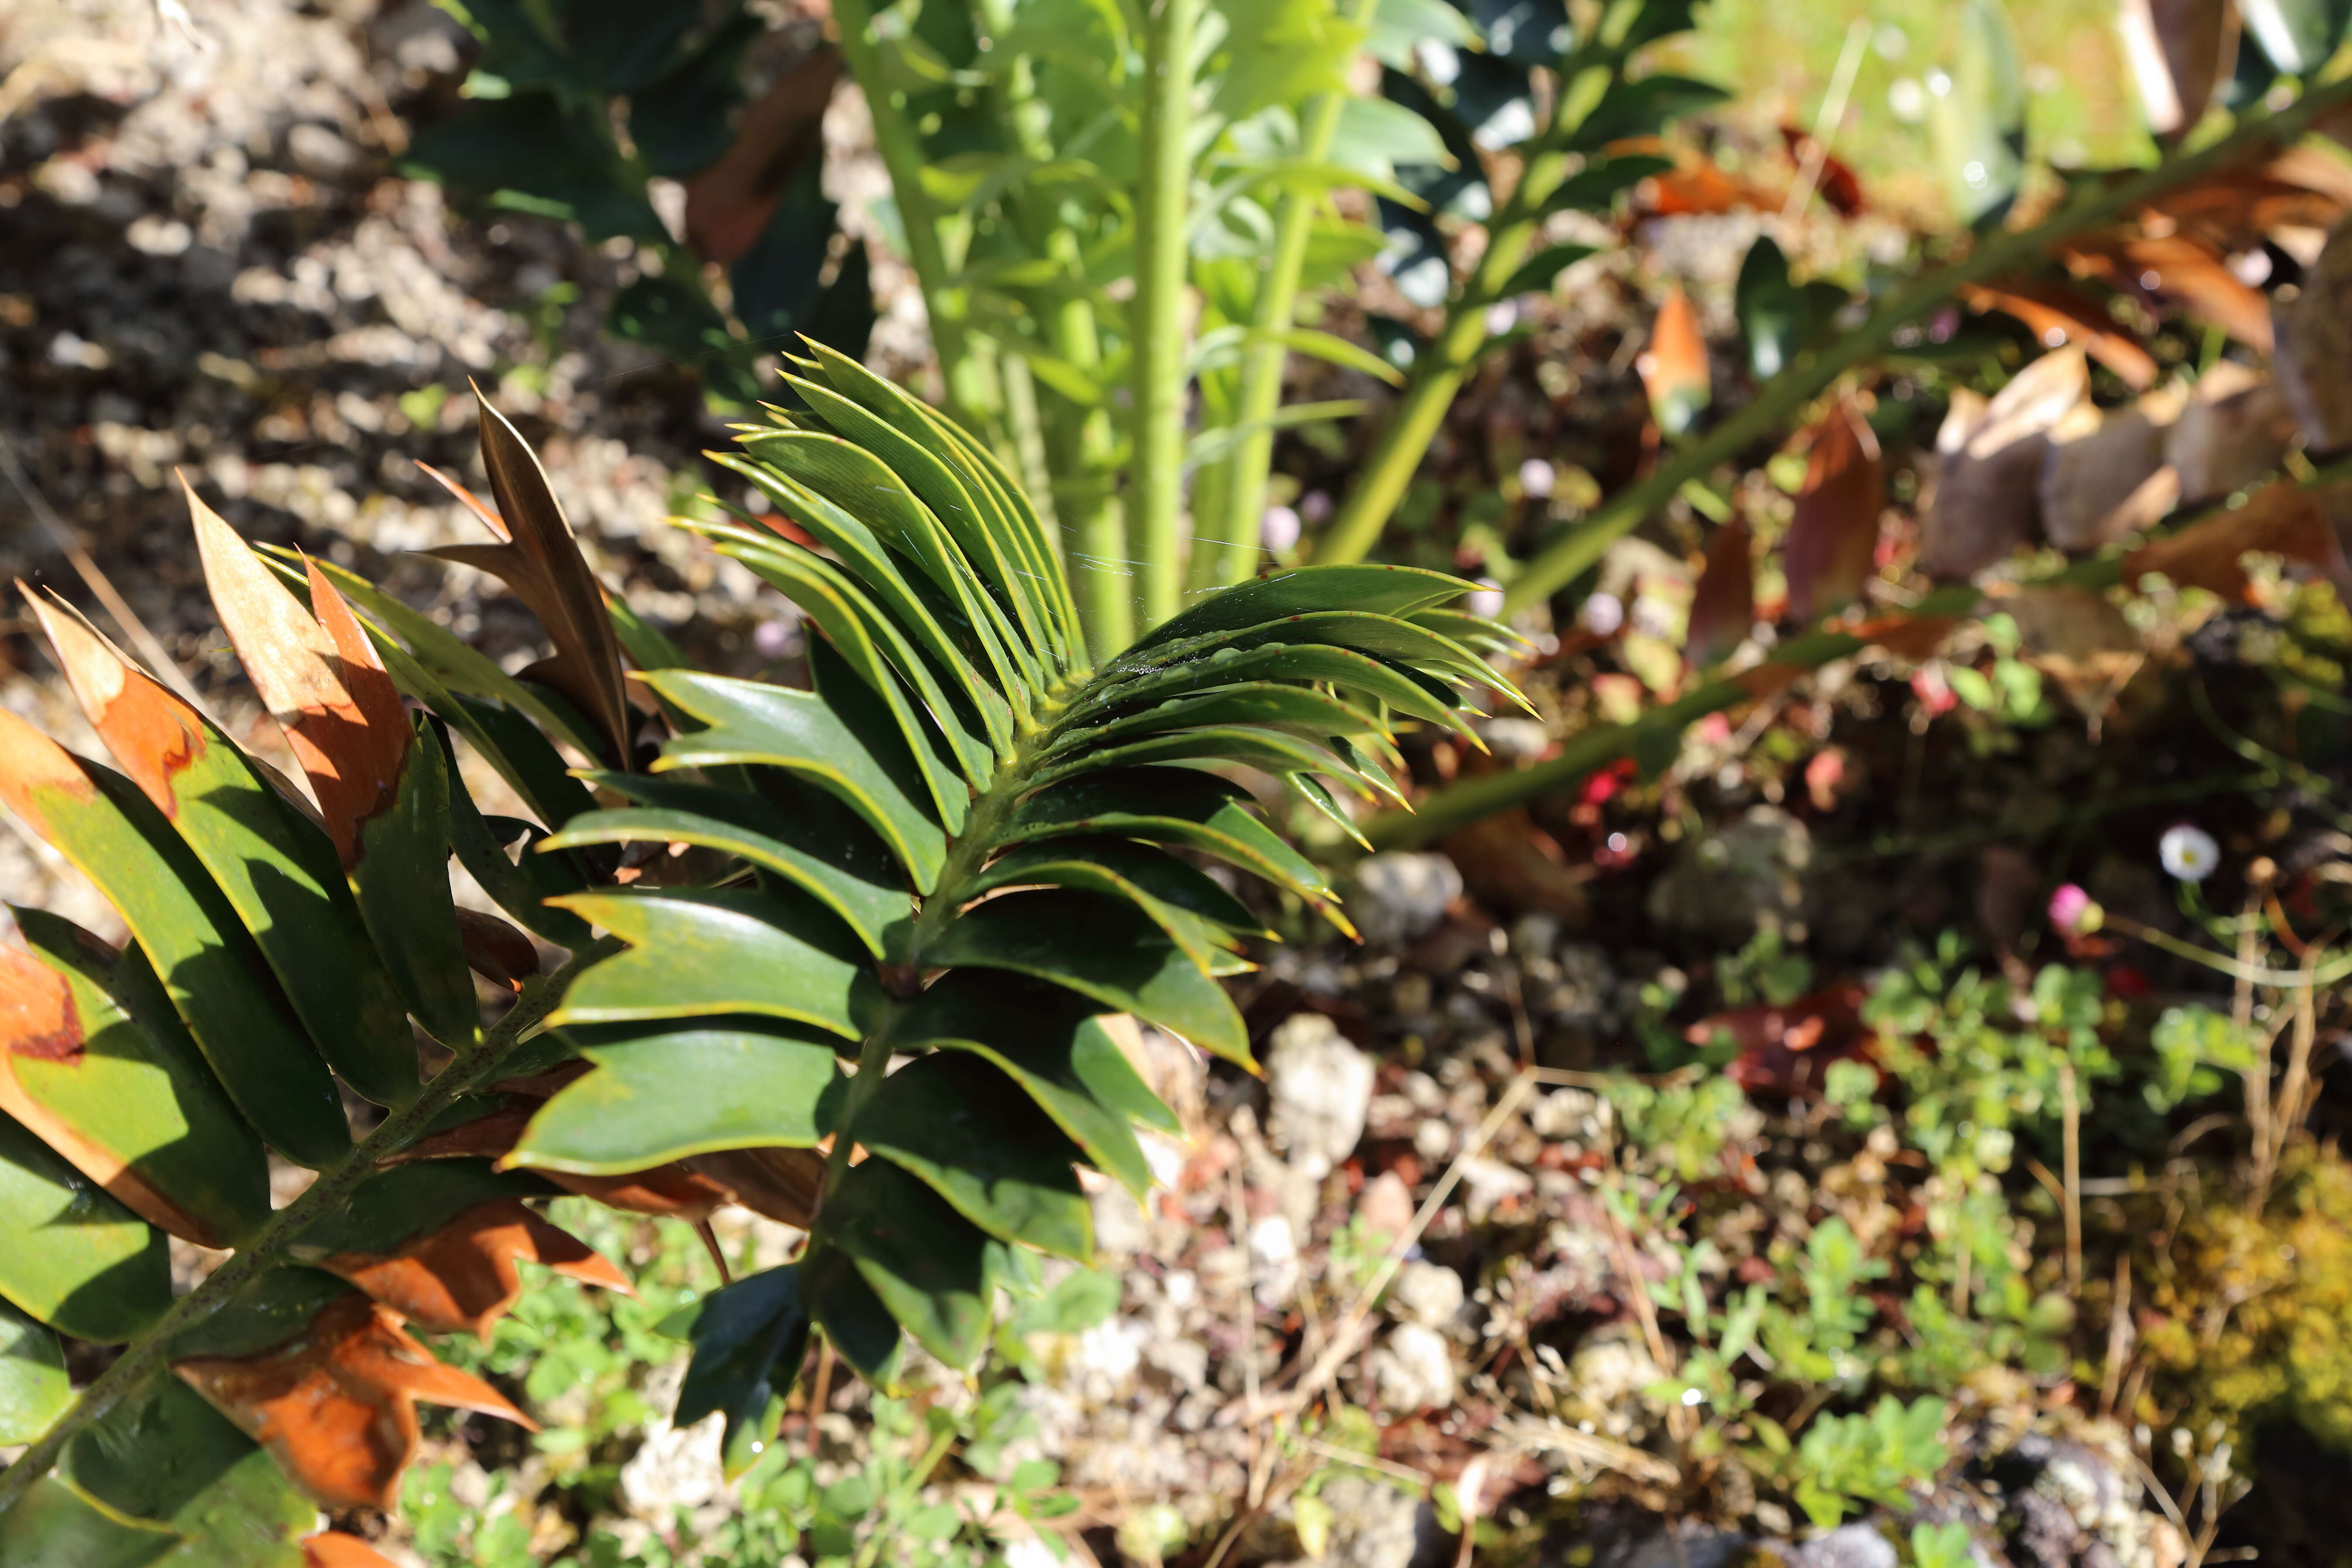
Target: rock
x=1724 y=885
x=675 y=1468
x=1373 y=1525
x=1386 y=1206
x=1413 y=1370
x=1428 y=1294
x=1488 y=1183
x=1273 y=1257
x=1857 y=1545
x=1319 y=1089
x=1399 y=896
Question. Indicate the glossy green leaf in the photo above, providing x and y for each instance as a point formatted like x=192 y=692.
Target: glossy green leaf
x=137 y=1091
x=1174 y=882
x=875 y=650
x=660 y=1095
x=979 y=1141
x=1005 y=511
x=748 y=1341
x=935 y=480
x=1642 y=107
x=854 y=488
x=1388 y=637
x=1270 y=751
x=166 y=1456
x=1265 y=704
x=699 y=950
x=34 y=1388
x=52 y=1523
x=1049 y=1040
x=217 y=980
x=401 y=881
x=273 y=1307
x=957 y=632
x=453 y=665
x=1537 y=275
x=1399 y=25
x=1472 y=631
x=1597 y=185
x=1313 y=791
x=1362 y=674
x=2295 y=35
x=1369 y=589
x=71 y=1255
x=1173 y=805
x=793 y=830
x=391 y=1206
x=520 y=884
x=1109 y=950
x=750 y=722
x=929 y=1264
x=852 y=1315
x=281 y=876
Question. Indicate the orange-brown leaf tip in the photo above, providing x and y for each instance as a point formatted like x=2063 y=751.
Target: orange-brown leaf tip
x=469 y=500
x=40 y=1023
x=496 y=950
x=336 y=1405
x=335 y=1550
x=38 y=1017
x=152 y=732
x=463 y=1276
x=31 y=762
x=1673 y=368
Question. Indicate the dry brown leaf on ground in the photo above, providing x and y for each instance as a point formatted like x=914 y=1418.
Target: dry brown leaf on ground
x=336 y=1407
x=1506 y=859
x=1785 y=1049
x=1989 y=470
x=2057 y=313
x=2103 y=477
x=1832 y=538
x=2315 y=346
x=2281 y=519
x=1723 y=604
x=2176 y=50
x=2234 y=428
x=2081 y=642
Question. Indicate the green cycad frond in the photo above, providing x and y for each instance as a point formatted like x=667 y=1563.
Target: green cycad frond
x=873 y=1003
x=1055 y=888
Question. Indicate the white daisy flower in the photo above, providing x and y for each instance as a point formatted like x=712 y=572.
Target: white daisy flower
x=2188 y=853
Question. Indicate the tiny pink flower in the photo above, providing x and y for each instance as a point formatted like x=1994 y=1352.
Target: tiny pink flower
x=2072 y=913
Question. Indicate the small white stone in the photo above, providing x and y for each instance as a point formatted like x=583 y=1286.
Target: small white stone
x=1413 y=1371
x=1319 y=1089
x=1426 y=1293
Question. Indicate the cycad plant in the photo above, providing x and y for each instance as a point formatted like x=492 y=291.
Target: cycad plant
x=842 y=954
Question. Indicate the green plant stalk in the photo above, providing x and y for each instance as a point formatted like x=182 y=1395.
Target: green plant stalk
x=1230 y=552
x=1162 y=199
x=396 y=1132
x=1785 y=396
x=968 y=377
x=1438 y=374
x=1456 y=807
x=1077 y=439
